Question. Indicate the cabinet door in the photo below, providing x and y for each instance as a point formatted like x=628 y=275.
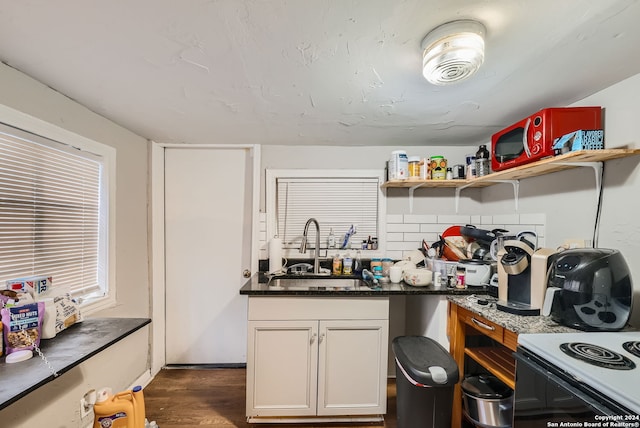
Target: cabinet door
x=352 y=367
x=282 y=359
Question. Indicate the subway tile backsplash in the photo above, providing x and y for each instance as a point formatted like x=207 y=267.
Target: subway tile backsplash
x=405 y=232
x=402 y=236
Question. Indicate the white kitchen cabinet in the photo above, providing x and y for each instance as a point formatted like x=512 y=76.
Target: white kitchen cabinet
x=317 y=358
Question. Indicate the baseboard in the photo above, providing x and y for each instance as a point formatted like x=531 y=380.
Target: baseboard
x=143 y=380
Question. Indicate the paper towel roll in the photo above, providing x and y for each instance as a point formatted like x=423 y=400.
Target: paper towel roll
x=275 y=255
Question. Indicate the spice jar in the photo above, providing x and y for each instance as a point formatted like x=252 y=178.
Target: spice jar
x=414 y=167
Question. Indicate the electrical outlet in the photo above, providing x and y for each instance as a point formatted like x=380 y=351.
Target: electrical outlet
x=85 y=408
x=576 y=243
x=86 y=403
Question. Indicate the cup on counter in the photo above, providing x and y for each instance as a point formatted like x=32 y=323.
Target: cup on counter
x=395 y=274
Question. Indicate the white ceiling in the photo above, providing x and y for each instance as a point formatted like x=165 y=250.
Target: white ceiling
x=315 y=72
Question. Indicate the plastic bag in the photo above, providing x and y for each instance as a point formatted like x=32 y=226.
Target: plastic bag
x=22 y=326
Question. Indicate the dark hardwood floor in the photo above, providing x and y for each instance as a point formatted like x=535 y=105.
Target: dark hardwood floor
x=193 y=397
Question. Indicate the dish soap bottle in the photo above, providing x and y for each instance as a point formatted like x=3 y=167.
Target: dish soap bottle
x=337 y=265
x=331 y=239
x=357 y=263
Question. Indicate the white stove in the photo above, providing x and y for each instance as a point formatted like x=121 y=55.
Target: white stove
x=616 y=372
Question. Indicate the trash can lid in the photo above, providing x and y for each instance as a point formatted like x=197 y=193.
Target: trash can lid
x=485 y=386
x=425 y=361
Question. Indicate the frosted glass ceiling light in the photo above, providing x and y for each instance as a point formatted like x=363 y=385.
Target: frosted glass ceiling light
x=453 y=51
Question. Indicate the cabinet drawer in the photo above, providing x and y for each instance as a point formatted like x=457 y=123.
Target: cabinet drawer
x=481 y=324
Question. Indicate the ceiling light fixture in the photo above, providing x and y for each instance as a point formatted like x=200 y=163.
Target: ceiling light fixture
x=453 y=51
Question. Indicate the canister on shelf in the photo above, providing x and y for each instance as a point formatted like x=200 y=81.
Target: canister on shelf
x=438 y=167
x=425 y=170
x=482 y=161
x=386 y=265
x=398 y=165
x=375 y=262
x=414 y=167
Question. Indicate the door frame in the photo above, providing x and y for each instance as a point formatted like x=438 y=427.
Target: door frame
x=157 y=234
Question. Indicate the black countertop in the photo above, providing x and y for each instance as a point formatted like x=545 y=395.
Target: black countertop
x=66 y=350
x=258 y=285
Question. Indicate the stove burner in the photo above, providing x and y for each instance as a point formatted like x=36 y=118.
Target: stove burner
x=597 y=355
x=633 y=347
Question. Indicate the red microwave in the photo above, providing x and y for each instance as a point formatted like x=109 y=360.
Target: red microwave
x=531 y=139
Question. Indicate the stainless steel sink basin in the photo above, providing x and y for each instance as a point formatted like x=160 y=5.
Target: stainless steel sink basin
x=328 y=284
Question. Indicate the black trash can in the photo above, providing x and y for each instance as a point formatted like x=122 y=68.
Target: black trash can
x=425 y=376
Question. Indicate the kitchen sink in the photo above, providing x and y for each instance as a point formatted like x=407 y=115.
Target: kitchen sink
x=328 y=284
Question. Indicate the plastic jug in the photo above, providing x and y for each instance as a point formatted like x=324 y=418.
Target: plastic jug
x=122 y=410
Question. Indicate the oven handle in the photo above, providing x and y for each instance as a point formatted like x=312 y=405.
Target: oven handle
x=483 y=325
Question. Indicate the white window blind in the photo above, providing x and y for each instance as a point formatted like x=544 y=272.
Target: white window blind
x=50 y=212
x=336 y=203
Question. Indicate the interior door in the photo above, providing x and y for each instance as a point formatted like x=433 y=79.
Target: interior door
x=208 y=225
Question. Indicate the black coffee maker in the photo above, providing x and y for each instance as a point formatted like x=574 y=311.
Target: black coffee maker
x=591 y=289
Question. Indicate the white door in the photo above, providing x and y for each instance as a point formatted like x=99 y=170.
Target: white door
x=352 y=367
x=208 y=222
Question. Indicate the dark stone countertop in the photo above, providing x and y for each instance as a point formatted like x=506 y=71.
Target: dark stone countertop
x=66 y=350
x=258 y=285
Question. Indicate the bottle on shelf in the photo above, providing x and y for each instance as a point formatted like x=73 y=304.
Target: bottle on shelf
x=482 y=161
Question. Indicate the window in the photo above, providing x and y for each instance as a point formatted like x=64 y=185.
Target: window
x=337 y=199
x=54 y=212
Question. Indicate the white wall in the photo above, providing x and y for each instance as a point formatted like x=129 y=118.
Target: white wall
x=57 y=403
x=567 y=199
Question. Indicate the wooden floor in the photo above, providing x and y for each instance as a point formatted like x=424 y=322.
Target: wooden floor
x=186 y=398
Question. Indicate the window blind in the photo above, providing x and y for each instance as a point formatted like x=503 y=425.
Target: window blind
x=336 y=203
x=50 y=212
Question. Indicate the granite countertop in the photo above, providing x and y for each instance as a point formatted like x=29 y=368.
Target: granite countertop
x=517 y=323
x=258 y=285
x=69 y=348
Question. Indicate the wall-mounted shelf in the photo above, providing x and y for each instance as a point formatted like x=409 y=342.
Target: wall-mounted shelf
x=590 y=158
x=544 y=166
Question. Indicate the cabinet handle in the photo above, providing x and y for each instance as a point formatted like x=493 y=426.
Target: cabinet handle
x=313 y=338
x=483 y=325
x=321 y=338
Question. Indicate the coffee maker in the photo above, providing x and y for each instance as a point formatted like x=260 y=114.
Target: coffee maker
x=522 y=275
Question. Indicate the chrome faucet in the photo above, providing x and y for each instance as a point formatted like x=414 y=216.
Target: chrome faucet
x=303 y=244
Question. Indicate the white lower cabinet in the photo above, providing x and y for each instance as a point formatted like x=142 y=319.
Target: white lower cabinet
x=323 y=358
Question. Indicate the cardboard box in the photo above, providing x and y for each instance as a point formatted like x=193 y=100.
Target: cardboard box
x=34 y=285
x=580 y=140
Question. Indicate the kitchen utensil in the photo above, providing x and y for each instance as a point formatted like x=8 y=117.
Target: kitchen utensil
x=395 y=274
x=415 y=256
x=487 y=401
x=477 y=272
x=418 y=277
x=405 y=264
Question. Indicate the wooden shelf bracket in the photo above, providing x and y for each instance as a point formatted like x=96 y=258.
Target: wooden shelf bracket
x=514 y=183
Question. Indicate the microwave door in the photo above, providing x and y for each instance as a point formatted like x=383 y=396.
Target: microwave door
x=525 y=139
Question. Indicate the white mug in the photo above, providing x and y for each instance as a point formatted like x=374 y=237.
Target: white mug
x=395 y=274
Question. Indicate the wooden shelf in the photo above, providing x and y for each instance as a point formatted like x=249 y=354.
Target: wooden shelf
x=497 y=360
x=544 y=166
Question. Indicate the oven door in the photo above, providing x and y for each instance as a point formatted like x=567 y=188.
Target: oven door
x=545 y=394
